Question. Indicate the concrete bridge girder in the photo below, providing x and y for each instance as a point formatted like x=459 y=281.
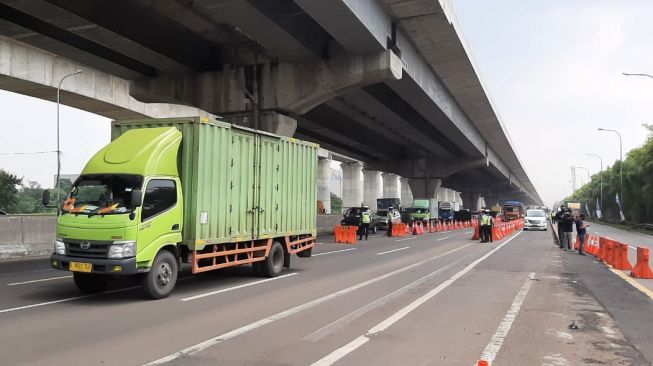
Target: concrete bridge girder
x=284 y=88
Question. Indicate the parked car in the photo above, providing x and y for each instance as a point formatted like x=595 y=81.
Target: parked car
x=352 y=217
x=535 y=219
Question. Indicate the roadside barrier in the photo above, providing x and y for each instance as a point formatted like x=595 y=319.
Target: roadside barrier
x=642 y=268
x=482 y=363
x=477 y=231
x=621 y=261
x=609 y=258
x=399 y=230
x=603 y=247
x=346 y=234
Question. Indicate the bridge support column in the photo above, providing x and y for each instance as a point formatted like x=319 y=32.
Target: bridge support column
x=390 y=185
x=352 y=184
x=425 y=188
x=471 y=200
x=324 y=183
x=406 y=194
x=371 y=188
x=491 y=201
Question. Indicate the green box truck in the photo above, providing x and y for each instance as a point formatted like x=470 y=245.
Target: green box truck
x=167 y=191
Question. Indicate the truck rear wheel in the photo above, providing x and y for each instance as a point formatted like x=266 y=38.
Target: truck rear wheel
x=90 y=283
x=273 y=264
x=162 y=277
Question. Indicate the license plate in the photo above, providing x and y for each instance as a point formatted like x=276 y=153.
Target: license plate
x=80 y=267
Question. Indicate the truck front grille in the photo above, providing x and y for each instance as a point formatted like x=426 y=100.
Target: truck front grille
x=96 y=250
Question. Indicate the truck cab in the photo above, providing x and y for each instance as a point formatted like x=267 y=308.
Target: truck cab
x=420 y=210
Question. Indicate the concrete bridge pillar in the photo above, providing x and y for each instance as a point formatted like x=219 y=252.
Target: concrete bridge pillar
x=324 y=183
x=371 y=188
x=390 y=185
x=406 y=195
x=424 y=188
x=491 y=201
x=471 y=200
x=352 y=184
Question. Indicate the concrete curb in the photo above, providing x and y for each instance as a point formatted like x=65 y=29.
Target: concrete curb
x=24 y=251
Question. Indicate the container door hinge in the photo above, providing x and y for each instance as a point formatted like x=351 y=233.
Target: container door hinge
x=230 y=208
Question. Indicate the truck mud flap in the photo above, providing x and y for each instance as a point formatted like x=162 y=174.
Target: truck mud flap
x=302 y=246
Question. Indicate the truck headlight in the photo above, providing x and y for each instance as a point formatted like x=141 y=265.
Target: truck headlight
x=59 y=247
x=122 y=249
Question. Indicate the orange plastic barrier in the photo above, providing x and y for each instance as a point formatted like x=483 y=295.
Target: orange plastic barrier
x=603 y=244
x=577 y=243
x=609 y=257
x=477 y=231
x=642 y=268
x=483 y=363
x=496 y=233
x=346 y=234
x=621 y=261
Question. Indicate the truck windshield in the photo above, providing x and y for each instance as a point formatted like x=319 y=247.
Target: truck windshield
x=102 y=194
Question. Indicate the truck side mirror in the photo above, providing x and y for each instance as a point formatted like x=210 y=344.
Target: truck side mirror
x=45 y=199
x=136 y=198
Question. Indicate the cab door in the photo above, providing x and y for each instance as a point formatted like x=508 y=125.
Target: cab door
x=161 y=217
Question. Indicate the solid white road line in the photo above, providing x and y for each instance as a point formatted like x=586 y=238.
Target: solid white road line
x=41 y=280
x=343 y=321
x=493 y=347
x=199 y=347
x=411 y=238
x=236 y=287
x=632 y=247
x=446 y=237
x=392 y=251
x=356 y=343
x=335 y=251
x=65 y=300
x=469 y=232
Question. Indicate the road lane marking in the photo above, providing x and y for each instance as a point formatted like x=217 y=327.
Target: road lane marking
x=199 y=347
x=493 y=347
x=332 y=252
x=411 y=238
x=469 y=232
x=632 y=247
x=343 y=351
x=446 y=237
x=41 y=280
x=232 y=288
x=645 y=290
x=392 y=251
x=66 y=299
x=597 y=233
x=343 y=321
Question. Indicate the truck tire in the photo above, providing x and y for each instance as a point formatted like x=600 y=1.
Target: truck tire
x=162 y=277
x=273 y=264
x=90 y=283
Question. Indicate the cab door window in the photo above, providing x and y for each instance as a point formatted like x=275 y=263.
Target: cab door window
x=160 y=195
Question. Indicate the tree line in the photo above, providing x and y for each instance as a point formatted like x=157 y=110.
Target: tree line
x=19 y=197
x=637 y=200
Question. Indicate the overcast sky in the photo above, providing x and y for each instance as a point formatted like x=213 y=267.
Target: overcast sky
x=553 y=69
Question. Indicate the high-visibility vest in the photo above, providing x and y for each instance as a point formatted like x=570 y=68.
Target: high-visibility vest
x=366 y=218
x=486 y=220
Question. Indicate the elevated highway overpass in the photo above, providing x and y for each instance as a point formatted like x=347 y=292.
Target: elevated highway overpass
x=388 y=83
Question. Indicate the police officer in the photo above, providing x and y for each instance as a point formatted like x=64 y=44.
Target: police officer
x=366 y=219
x=390 y=217
x=486 y=227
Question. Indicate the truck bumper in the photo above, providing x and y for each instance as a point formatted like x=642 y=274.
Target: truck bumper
x=115 y=267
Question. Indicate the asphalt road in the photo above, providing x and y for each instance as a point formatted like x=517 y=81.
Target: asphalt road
x=436 y=299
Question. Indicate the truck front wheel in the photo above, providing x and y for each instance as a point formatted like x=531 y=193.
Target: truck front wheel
x=160 y=280
x=90 y=283
x=273 y=264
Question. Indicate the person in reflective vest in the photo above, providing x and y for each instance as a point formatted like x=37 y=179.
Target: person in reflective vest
x=364 y=228
x=390 y=218
x=486 y=227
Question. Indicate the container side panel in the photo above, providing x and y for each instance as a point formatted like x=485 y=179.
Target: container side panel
x=268 y=186
x=242 y=185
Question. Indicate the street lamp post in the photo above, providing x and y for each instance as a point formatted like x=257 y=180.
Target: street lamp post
x=621 y=165
x=58 y=143
x=600 y=176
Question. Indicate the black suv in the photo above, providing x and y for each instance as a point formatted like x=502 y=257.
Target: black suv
x=352 y=217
